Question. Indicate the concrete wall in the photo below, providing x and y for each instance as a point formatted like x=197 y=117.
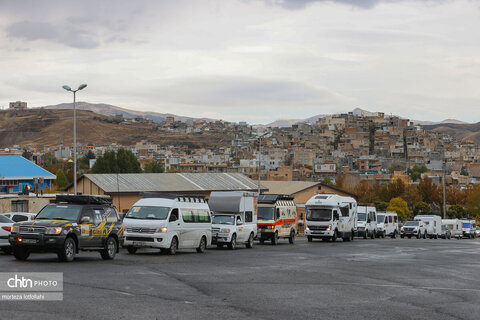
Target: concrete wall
x=34 y=204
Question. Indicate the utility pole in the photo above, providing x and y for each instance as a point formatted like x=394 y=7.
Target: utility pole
x=443 y=186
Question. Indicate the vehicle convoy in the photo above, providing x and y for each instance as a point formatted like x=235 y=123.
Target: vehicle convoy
x=468 y=228
x=415 y=228
x=366 y=221
x=70 y=224
x=433 y=225
x=234 y=219
x=276 y=218
x=387 y=224
x=329 y=217
x=455 y=227
x=5 y=228
x=168 y=222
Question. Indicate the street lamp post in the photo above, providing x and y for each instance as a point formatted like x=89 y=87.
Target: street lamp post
x=82 y=86
x=260 y=158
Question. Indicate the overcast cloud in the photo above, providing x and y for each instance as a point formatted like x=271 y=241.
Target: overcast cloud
x=253 y=60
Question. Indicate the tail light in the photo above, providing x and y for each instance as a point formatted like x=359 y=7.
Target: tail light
x=9 y=229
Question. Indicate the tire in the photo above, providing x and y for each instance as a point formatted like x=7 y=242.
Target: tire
x=394 y=234
x=419 y=235
x=111 y=246
x=309 y=238
x=365 y=235
x=425 y=235
x=373 y=234
x=291 y=239
x=173 y=246
x=353 y=235
x=131 y=249
x=334 y=237
x=67 y=253
x=7 y=250
x=275 y=239
x=202 y=246
x=20 y=253
x=232 y=245
x=249 y=243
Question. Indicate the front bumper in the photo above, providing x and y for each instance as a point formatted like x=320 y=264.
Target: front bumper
x=319 y=233
x=221 y=238
x=37 y=242
x=265 y=234
x=157 y=240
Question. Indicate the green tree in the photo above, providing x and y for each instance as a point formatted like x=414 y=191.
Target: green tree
x=154 y=166
x=473 y=202
x=429 y=192
x=421 y=208
x=456 y=212
x=381 y=206
x=62 y=180
x=416 y=172
x=396 y=189
x=327 y=180
x=123 y=161
x=400 y=206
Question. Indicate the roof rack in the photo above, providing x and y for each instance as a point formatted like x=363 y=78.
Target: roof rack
x=83 y=199
x=178 y=197
x=272 y=198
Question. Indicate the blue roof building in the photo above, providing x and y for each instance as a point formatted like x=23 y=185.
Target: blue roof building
x=16 y=173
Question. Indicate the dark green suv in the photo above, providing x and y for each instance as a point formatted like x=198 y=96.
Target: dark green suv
x=70 y=224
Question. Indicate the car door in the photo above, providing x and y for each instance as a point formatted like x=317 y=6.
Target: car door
x=86 y=228
x=99 y=230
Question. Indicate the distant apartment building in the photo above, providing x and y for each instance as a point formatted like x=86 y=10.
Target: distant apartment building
x=281 y=174
x=170 y=120
x=18 y=105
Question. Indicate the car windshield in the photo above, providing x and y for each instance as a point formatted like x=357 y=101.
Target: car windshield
x=146 y=212
x=59 y=212
x=466 y=225
x=224 y=219
x=319 y=214
x=4 y=219
x=266 y=213
x=362 y=216
x=411 y=224
x=380 y=219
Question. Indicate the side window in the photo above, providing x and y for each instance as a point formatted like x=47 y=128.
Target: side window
x=19 y=218
x=390 y=219
x=111 y=215
x=187 y=215
x=202 y=216
x=248 y=216
x=173 y=215
x=88 y=213
x=97 y=216
x=395 y=219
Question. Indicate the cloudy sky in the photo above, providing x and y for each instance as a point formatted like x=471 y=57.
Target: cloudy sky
x=253 y=60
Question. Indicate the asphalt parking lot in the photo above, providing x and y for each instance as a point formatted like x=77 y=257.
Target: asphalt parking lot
x=363 y=279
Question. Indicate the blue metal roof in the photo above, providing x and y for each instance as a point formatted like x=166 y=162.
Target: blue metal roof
x=19 y=167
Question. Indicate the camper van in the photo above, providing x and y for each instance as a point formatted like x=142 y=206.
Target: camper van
x=387 y=224
x=330 y=216
x=468 y=228
x=234 y=219
x=433 y=224
x=277 y=218
x=455 y=226
x=366 y=222
x=168 y=222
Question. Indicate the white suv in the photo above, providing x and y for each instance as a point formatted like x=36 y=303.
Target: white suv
x=413 y=229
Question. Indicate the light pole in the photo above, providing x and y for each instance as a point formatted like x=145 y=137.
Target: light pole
x=80 y=87
x=260 y=158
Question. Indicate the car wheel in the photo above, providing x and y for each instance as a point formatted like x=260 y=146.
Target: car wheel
x=425 y=235
x=373 y=234
x=20 y=253
x=394 y=234
x=419 y=235
x=275 y=239
x=202 y=246
x=249 y=243
x=67 y=253
x=309 y=238
x=353 y=235
x=131 y=249
x=173 y=246
x=291 y=239
x=334 y=237
x=110 y=250
x=233 y=243
x=365 y=235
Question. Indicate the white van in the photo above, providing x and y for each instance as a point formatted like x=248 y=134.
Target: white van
x=366 y=222
x=330 y=216
x=455 y=226
x=168 y=222
x=433 y=224
x=234 y=219
x=387 y=224
x=468 y=228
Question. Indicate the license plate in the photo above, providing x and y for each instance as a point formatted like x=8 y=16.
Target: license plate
x=29 y=241
x=139 y=243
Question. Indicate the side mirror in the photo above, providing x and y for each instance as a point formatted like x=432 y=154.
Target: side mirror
x=122 y=215
x=239 y=222
x=86 y=220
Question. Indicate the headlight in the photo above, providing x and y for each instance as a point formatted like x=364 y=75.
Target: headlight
x=162 y=229
x=329 y=227
x=224 y=230
x=273 y=227
x=307 y=228
x=15 y=229
x=53 y=230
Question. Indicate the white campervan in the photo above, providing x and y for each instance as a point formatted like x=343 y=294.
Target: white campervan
x=455 y=226
x=234 y=219
x=330 y=216
x=366 y=222
x=168 y=222
x=433 y=225
x=387 y=224
x=468 y=227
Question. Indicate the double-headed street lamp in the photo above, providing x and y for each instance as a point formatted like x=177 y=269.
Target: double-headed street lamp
x=82 y=86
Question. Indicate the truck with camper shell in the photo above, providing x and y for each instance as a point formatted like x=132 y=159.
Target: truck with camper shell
x=329 y=217
x=468 y=228
x=366 y=221
x=277 y=218
x=387 y=224
x=455 y=227
x=168 y=222
x=433 y=224
x=234 y=220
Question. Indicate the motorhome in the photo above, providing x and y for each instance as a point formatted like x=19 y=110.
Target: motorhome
x=277 y=218
x=468 y=228
x=387 y=224
x=168 y=222
x=433 y=224
x=330 y=216
x=455 y=226
x=366 y=221
x=234 y=220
